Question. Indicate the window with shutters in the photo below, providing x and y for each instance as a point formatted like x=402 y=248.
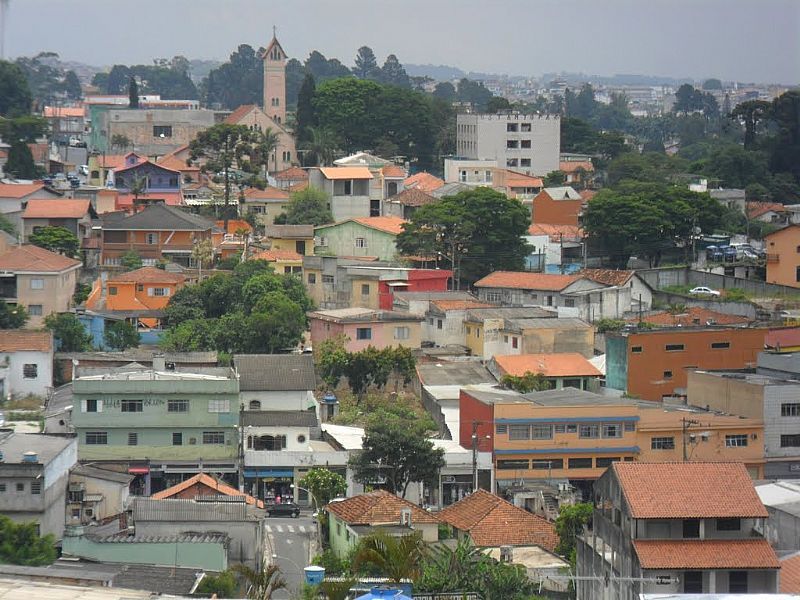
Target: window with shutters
x=219 y=406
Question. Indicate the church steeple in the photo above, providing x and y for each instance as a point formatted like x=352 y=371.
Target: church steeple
x=275 y=80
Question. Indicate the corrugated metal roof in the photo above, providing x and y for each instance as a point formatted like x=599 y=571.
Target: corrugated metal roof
x=275 y=372
x=279 y=418
x=147 y=509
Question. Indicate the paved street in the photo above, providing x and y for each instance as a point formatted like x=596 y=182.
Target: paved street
x=289 y=539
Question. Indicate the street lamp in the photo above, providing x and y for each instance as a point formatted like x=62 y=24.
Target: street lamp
x=315 y=502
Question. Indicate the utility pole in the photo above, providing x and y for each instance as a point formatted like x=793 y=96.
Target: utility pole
x=241 y=448
x=685 y=424
x=475 y=456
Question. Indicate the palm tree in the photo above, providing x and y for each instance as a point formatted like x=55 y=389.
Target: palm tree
x=268 y=145
x=138 y=187
x=261 y=584
x=337 y=590
x=397 y=558
x=202 y=252
x=321 y=144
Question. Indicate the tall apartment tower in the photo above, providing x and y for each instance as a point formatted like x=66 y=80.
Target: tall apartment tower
x=275 y=81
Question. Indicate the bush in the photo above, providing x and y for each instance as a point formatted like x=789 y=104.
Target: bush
x=223 y=585
x=333 y=564
x=604 y=325
x=735 y=295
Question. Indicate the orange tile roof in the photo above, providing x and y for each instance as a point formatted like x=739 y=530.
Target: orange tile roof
x=234 y=225
x=587 y=195
x=142 y=163
x=298 y=187
x=613 y=277
x=239 y=114
x=491 y=522
x=269 y=193
x=783 y=338
x=57 y=208
x=526 y=281
x=570 y=166
x=378 y=508
x=571 y=233
x=176 y=164
x=693 y=315
x=514 y=179
x=63 y=111
x=14 y=340
x=424 y=181
x=292 y=174
x=170 y=199
x=413 y=197
x=790 y=574
x=217 y=486
x=19 y=190
x=691 y=490
x=116 y=161
x=278 y=255
x=393 y=225
x=756 y=209
x=564 y=364
x=393 y=171
x=34 y=259
x=460 y=304
x=149 y=275
x=706 y=554
x=346 y=172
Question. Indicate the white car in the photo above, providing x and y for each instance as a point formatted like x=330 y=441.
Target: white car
x=704 y=291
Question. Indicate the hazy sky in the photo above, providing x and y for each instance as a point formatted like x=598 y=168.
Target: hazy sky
x=744 y=40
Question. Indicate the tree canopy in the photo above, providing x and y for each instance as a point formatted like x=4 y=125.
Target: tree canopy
x=250 y=310
x=20 y=544
x=324 y=485
x=475 y=232
x=12 y=316
x=69 y=332
x=15 y=94
x=56 y=239
x=237 y=82
x=121 y=336
x=309 y=207
x=169 y=79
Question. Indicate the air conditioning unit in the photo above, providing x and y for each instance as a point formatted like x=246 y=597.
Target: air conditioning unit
x=705 y=435
x=192 y=441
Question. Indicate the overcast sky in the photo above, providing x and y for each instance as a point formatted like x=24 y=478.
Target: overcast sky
x=744 y=40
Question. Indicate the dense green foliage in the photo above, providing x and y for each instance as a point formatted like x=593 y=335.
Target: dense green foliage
x=20 y=544
x=20 y=162
x=12 y=316
x=239 y=81
x=69 y=332
x=223 y=585
x=121 y=335
x=397 y=558
x=169 y=78
x=309 y=207
x=474 y=232
x=569 y=525
x=529 y=382
x=131 y=260
x=249 y=310
x=324 y=485
x=15 y=94
x=643 y=219
x=56 y=239
x=465 y=568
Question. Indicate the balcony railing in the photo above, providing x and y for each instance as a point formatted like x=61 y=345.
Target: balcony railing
x=773 y=258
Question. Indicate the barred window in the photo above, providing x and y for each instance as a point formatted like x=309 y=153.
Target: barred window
x=213 y=437
x=219 y=406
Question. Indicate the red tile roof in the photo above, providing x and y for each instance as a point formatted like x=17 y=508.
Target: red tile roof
x=269 y=193
x=587 y=195
x=491 y=522
x=790 y=574
x=570 y=166
x=783 y=338
x=234 y=225
x=292 y=174
x=393 y=225
x=63 y=111
x=526 y=281
x=174 y=163
x=691 y=490
x=35 y=259
x=239 y=113
x=149 y=275
x=378 y=508
x=169 y=198
x=693 y=315
x=116 y=161
x=756 y=209
x=15 y=340
x=424 y=181
x=142 y=163
x=513 y=179
x=218 y=487
x=57 y=208
x=335 y=173
x=278 y=255
x=298 y=187
x=567 y=233
x=565 y=364
x=413 y=197
x=706 y=554
x=393 y=171
x=19 y=190
x=613 y=277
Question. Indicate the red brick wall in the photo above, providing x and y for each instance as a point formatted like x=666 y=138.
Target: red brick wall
x=472 y=410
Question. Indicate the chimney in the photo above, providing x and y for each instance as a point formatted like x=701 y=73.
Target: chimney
x=159 y=363
x=405 y=517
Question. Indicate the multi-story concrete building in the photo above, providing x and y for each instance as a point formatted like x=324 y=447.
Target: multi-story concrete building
x=675 y=528
x=783 y=259
x=161 y=425
x=366 y=327
x=34 y=470
x=776 y=400
x=653 y=364
x=363 y=237
x=26 y=363
x=528 y=143
x=41 y=281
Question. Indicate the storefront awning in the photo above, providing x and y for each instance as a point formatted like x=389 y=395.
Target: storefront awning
x=268 y=473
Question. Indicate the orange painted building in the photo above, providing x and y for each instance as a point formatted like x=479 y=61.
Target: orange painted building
x=653 y=364
x=557 y=206
x=783 y=256
x=148 y=288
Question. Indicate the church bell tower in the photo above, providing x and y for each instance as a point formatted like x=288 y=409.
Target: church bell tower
x=275 y=81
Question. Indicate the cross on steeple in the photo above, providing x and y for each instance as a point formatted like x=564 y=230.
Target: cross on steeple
x=274 y=31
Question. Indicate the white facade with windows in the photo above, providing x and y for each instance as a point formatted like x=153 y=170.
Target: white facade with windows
x=25 y=372
x=526 y=143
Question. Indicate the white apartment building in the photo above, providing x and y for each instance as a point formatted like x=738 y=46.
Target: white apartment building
x=525 y=143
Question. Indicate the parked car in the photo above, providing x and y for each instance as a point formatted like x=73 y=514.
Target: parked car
x=704 y=291
x=714 y=254
x=729 y=253
x=76 y=142
x=285 y=509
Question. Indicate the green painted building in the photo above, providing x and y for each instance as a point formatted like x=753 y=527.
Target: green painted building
x=362 y=237
x=161 y=425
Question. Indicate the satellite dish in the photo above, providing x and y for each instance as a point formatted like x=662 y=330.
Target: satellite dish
x=697 y=231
